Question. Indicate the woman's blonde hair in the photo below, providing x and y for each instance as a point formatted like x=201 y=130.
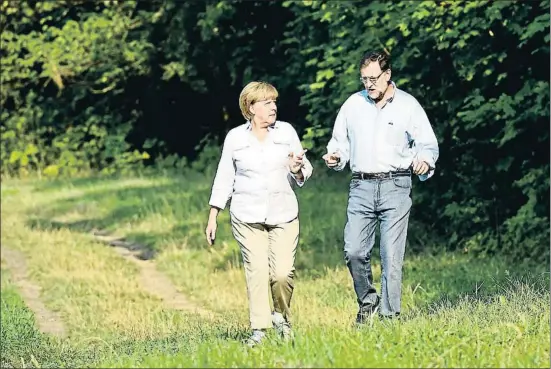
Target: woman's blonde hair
x=254 y=92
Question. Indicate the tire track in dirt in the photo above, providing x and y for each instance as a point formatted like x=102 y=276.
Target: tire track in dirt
x=153 y=281
x=48 y=322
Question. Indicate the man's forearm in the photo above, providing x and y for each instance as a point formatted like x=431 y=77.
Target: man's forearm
x=428 y=157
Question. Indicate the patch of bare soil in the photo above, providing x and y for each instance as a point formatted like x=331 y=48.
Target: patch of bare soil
x=48 y=321
x=153 y=281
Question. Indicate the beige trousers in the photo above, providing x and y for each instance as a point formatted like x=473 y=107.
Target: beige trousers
x=268 y=258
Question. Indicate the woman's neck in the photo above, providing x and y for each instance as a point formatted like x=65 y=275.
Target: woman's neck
x=259 y=130
x=260 y=126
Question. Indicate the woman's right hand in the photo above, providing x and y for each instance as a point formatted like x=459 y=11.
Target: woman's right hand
x=210 y=232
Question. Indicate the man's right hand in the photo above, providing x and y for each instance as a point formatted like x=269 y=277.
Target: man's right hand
x=331 y=160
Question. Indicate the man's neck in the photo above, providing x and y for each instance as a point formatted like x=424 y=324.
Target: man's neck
x=386 y=96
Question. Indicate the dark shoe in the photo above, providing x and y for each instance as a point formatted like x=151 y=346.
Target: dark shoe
x=395 y=316
x=366 y=312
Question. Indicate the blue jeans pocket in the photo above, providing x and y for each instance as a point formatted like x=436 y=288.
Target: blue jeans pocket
x=402 y=182
x=354 y=183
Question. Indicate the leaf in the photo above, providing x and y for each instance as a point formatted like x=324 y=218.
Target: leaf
x=31 y=149
x=15 y=156
x=51 y=170
x=317 y=85
x=24 y=160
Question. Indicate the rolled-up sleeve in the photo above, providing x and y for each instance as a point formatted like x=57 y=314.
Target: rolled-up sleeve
x=222 y=186
x=296 y=147
x=426 y=144
x=339 y=140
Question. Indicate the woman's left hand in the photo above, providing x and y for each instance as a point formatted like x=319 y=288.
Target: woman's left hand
x=296 y=162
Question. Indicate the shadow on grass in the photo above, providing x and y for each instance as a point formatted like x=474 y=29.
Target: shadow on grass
x=104 y=211
x=53 y=184
x=110 y=209
x=182 y=203
x=528 y=293
x=144 y=250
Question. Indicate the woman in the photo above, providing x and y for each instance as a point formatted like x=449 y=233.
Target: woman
x=261 y=161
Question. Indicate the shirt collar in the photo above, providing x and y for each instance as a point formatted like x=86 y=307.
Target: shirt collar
x=248 y=125
x=389 y=100
x=393 y=91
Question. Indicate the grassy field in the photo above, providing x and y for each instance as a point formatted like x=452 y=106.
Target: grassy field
x=458 y=310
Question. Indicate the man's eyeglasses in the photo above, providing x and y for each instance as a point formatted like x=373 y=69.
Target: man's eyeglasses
x=373 y=80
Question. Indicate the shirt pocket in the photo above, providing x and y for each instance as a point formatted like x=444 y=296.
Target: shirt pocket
x=395 y=134
x=355 y=183
x=402 y=182
x=281 y=149
x=244 y=157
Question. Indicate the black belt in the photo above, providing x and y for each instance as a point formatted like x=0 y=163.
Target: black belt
x=383 y=175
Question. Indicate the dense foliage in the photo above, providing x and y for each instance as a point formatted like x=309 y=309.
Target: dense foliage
x=110 y=84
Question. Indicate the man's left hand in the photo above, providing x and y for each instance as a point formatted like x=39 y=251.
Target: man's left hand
x=420 y=167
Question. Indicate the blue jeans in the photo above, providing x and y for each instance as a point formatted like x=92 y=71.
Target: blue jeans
x=389 y=202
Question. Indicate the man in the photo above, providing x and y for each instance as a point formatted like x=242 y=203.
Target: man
x=385 y=135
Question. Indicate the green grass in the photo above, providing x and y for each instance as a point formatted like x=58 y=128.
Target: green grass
x=459 y=309
x=22 y=345
x=469 y=332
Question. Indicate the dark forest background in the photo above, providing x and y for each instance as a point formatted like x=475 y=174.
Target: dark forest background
x=103 y=86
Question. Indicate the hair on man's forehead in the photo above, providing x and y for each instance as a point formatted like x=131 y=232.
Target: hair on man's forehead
x=380 y=58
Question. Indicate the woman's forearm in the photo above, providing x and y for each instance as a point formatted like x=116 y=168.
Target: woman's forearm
x=213 y=213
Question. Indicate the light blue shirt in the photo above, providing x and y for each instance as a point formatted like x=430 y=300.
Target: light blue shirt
x=377 y=140
x=255 y=175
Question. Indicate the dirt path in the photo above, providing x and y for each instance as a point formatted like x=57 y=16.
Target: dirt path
x=153 y=281
x=48 y=321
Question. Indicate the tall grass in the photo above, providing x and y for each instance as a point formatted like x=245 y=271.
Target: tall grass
x=458 y=309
